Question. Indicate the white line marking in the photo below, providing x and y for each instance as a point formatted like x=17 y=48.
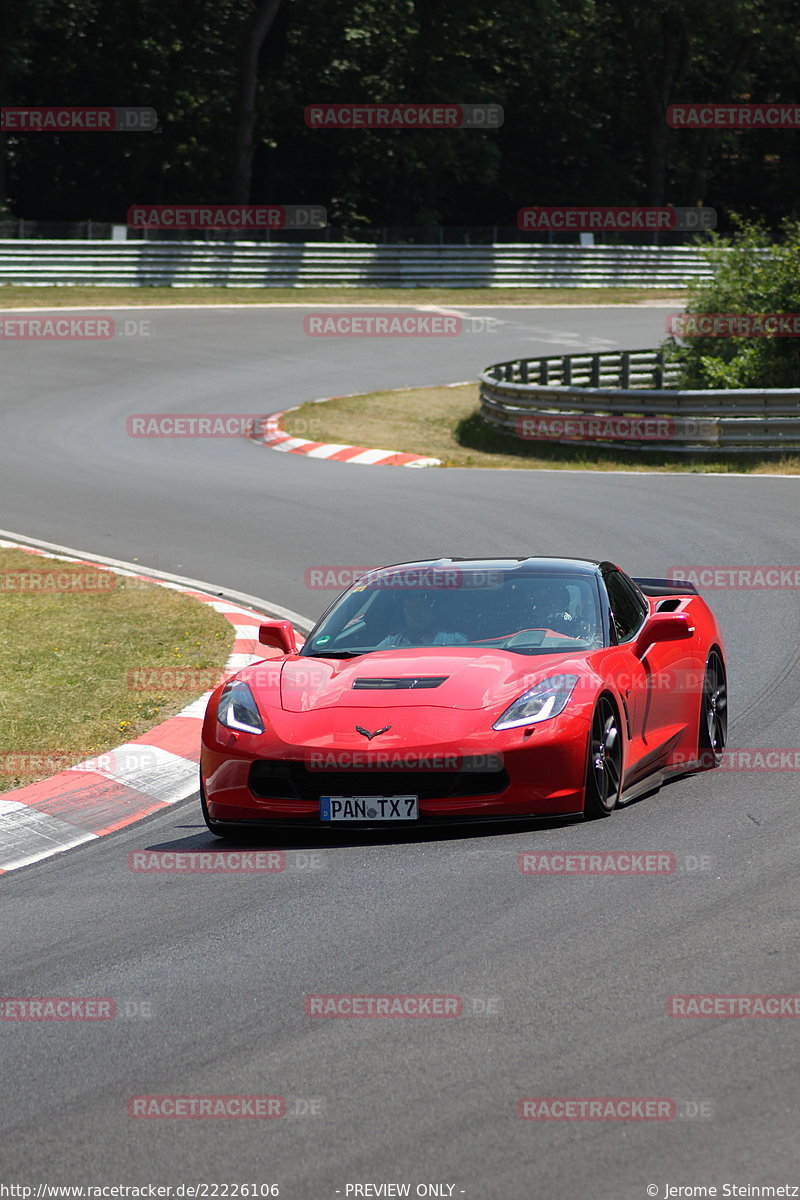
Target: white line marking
x=27 y=835
x=151 y=770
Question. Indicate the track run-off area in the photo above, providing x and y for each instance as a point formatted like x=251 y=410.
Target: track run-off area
x=564 y=979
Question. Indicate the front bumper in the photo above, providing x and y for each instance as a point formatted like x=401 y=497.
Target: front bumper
x=258 y=780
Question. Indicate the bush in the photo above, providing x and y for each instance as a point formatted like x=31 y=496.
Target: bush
x=747 y=279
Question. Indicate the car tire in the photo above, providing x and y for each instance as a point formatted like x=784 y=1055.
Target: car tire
x=713 y=731
x=603 y=761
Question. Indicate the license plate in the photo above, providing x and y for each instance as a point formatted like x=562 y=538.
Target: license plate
x=368 y=808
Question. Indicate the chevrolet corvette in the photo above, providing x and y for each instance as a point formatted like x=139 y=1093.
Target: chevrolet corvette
x=458 y=690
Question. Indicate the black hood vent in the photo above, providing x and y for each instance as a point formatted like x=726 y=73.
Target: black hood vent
x=404 y=683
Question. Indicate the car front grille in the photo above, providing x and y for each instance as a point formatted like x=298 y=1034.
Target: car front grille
x=285 y=780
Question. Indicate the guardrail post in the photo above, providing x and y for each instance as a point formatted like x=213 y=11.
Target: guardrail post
x=523 y=370
x=544 y=374
x=625 y=369
x=594 y=374
x=658 y=371
x=566 y=369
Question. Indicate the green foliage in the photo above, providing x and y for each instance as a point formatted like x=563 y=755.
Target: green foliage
x=751 y=276
x=584 y=85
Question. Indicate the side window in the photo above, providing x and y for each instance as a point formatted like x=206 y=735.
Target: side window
x=626 y=607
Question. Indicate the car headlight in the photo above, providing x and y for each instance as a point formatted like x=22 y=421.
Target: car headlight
x=547 y=699
x=237 y=708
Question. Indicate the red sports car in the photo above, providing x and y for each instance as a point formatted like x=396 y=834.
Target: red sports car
x=455 y=690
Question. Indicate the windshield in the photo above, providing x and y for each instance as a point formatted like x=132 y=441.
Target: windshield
x=529 y=613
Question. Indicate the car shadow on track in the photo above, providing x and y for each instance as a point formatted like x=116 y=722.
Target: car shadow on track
x=198 y=838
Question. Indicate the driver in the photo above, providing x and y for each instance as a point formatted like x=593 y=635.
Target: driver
x=552 y=608
x=422 y=624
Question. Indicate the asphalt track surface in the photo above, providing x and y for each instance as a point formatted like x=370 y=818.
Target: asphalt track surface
x=581 y=967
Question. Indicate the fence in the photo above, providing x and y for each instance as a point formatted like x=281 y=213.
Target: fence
x=260 y=264
x=619 y=400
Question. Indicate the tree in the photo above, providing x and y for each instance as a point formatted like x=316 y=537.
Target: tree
x=752 y=276
x=257 y=28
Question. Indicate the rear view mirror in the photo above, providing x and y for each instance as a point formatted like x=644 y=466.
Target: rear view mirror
x=279 y=635
x=664 y=627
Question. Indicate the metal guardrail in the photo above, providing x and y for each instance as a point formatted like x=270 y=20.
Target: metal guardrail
x=621 y=399
x=297 y=265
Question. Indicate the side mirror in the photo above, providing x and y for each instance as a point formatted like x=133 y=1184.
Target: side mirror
x=279 y=635
x=664 y=627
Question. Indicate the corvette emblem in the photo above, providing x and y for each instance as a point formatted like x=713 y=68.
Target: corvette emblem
x=368 y=735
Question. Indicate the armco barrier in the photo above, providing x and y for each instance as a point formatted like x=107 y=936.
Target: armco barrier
x=563 y=399
x=297 y=265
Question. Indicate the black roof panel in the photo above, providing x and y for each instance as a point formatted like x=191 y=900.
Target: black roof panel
x=535 y=563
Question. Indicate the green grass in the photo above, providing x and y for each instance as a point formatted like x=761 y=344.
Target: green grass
x=444 y=423
x=16 y=296
x=65 y=658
